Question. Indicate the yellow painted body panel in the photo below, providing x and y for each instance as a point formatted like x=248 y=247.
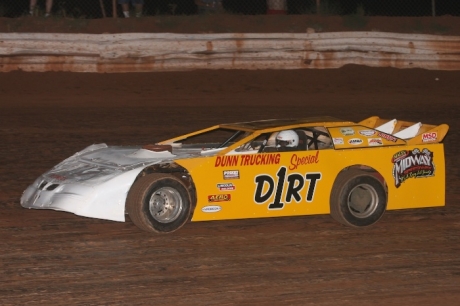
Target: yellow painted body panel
x=235 y=185
x=238 y=200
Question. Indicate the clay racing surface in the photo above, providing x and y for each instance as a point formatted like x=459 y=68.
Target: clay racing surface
x=409 y=257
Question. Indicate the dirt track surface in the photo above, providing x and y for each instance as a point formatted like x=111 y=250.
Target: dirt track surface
x=409 y=257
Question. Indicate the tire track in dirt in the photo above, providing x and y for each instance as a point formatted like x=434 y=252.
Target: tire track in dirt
x=408 y=258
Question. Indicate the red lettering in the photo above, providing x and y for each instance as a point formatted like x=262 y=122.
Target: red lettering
x=226 y=161
x=277 y=159
x=304 y=160
x=429 y=136
x=259 y=159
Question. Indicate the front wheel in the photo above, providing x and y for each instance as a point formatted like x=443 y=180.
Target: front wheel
x=158 y=203
x=358 y=198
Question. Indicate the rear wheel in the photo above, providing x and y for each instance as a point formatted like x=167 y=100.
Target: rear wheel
x=358 y=198
x=158 y=203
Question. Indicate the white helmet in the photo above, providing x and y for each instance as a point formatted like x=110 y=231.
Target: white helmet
x=287 y=138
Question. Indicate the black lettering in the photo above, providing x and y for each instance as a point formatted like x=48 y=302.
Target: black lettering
x=277 y=204
x=313 y=178
x=296 y=184
x=260 y=198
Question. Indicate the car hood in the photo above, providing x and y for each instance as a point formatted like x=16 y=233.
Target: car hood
x=98 y=163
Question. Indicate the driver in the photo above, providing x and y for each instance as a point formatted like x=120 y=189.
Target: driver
x=287 y=140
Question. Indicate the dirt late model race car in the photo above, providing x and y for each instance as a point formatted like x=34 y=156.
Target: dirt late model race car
x=269 y=168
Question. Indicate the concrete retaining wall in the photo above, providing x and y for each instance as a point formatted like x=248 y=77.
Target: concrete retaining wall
x=145 y=52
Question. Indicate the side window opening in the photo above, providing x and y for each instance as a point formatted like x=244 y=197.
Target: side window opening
x=311 y=138
x=318 y=138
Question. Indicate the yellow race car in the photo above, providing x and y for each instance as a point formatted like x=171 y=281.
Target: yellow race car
x=268 y=168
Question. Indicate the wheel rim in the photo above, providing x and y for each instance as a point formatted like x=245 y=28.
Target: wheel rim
x=362 y=201
x=165 y=205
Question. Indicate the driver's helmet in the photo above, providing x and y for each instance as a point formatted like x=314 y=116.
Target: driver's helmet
x=287 y=139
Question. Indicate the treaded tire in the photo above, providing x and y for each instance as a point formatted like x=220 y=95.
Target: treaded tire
x=158 y=203
x=357 y=198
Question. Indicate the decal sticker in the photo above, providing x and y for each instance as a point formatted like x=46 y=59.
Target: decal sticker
x=260 y=159
x=226 y=161
x=355 y=141
x=338 y=141
x=231 y=174
x=347 y=131
x=428 y=137
x=303 y=160
x=387 y=137
x=412 y=164
x=219 y=198
x=226 y=186
x=375 y=141
x=367 y=133
x=247 y=160
x=293 y=185
x=211 y=209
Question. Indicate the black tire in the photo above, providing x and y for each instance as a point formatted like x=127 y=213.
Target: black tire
x=158 y=203
x=358 y=198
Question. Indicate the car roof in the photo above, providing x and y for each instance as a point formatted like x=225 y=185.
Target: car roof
x=274 y=123
x=269 y=125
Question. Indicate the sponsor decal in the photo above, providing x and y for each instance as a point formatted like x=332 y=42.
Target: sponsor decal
x=303 y=160
x=355 y=141
x=231 y=174
x=219 y=198
x=375 y=141
x=367 y=132
x=338 y=141
x=226 y=186
x=428 y=137
x=285 y=188
x=412 y=164
x=226 y=161
x=347 y=131
x=247 y=160
x=398 y=156
x=211 y=209
x=387 y=136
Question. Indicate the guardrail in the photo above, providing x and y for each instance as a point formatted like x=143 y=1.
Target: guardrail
x=147 y=52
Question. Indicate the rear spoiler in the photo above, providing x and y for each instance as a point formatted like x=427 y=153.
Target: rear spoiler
x=412 y=132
